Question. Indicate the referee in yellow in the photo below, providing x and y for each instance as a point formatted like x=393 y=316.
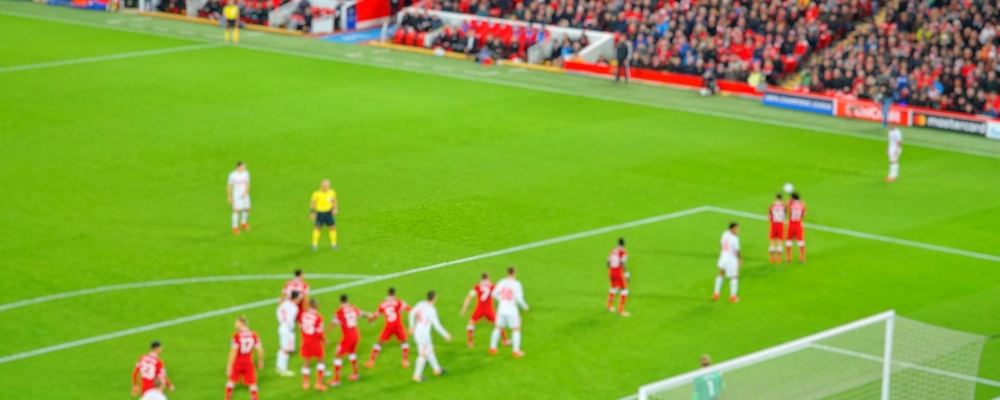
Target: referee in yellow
x=232 y=14
x=322 y=208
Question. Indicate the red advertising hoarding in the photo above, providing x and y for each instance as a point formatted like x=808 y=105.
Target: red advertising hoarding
x=870 y=111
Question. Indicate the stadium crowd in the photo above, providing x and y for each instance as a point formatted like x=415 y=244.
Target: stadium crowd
x=940 y=55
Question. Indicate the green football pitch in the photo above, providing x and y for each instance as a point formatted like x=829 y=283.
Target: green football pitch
x=117 y=132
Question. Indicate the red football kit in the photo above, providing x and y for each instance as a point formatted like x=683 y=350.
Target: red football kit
x=776 y=214
x=392 y=308
x=296 y=285
x=616 y=264
x=313 y=336
x=484 y=301
x=148 y=368
x=347 y=318
x=244 y=341
x=796 y=212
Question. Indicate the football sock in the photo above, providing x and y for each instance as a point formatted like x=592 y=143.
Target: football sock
x=405 y=347
x=333 y=237
x=336 y=369
x=253 y=392
x=495 y=338
x=802 y=253
x=419 y=368
x=236 y=220
x=226 y=35
x=718 y=284
x=893 y=170
x=375 y=349
x=621 y=303
x=469 y=329
x=432 y=359
x=354 y=362
x=734 y=287
x=611 y=300
x=282 y=361
x=236 y=34
x=305 y=374
x=788 y=251
x=229 y=391
x=316 y=234
x=244 y=216
x=320 y=373
x=517 y=340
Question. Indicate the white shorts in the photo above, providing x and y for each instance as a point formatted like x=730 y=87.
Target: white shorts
x=241 y=203
x=894 y=155
x=730 y=267
x=511 y=320
x=286 y=339
x=425 y=346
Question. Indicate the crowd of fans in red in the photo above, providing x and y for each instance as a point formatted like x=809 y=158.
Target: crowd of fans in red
x=941 y=55
x=477 y=38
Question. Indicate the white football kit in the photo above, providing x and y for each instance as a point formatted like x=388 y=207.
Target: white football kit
x=895 y=145
x=153 y=394
x=241 y=187
x=423 y=317
x=728 y=259
x=287 y=313
x=509 y=295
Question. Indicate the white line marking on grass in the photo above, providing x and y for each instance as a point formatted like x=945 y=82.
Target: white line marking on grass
x=413 y=64
x=517 y=70
x=383 y=60
x=356 y=54
x=905 y=364
x=442 y=69
x=186 y=32
x=381 y=51
x=261 y=303
x=114 y=21
x=169 y=282
x=482 y=73
x=160 y=29
x=118 y=56
x=630 y=397
x=138 y=26
x=863 y=235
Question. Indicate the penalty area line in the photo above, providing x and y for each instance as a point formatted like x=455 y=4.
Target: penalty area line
x=118 y=56
x=261 y=303
x=168 y=282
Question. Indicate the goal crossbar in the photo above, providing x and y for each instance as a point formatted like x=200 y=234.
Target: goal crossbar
x=764 y=355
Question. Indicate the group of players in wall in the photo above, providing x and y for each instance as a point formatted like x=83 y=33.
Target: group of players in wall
x=297 y=309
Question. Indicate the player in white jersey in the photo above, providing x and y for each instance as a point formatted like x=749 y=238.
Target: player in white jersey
x=894 y=151
x=729 y=262
x=423 y=316
x=288 y=312
x=510 y=295
x=156 y=392
x=238 y=195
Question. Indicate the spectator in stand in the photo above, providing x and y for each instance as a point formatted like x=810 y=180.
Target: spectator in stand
x=623 y=53
x=212 y=10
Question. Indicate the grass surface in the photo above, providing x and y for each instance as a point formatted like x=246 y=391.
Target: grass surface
x=114 y=172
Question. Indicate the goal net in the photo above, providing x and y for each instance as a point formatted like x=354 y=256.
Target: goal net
x=884 y=356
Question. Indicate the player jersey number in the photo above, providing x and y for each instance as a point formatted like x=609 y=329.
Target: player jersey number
x=796 y=214
x=711 y=388
x=246 y=344
x=350 y=318
x=147 y=370
x=484 y=294
x=308 y=324
x=507 y=294
x=390 y=314
x=778 y=215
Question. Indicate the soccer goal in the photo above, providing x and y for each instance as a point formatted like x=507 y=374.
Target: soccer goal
x=884 y=356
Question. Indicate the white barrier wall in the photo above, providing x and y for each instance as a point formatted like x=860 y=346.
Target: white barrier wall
x=601 y=43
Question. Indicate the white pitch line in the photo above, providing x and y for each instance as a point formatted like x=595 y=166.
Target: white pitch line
x=482 y=73
x=448 y=73
x=863 y=235
x=383 y=60
x=413 y=64
x=168 y=282
x=261 y=303
x=381 y=51
x=108 y=57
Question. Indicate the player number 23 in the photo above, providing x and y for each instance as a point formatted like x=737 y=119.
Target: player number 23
x=147 y=370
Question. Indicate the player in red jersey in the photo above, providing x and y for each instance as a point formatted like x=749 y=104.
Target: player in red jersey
x=619 y=278
x=347 y=317
x=240 y=364
x=796 y=213
x=776 y=214
x=392 y=308
x=313 y=345
x=484 y=308
x=148 y=369
x=297 y=284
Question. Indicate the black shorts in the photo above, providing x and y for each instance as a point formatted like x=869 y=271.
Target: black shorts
x=232 y=23
x=325 y=218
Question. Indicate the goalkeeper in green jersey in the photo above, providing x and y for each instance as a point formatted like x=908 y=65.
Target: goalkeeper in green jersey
x=708 y=386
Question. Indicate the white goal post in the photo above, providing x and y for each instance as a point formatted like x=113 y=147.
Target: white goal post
x=884 y=357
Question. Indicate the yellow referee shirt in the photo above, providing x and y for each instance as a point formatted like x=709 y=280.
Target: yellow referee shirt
x=231 y=11
x=324 y=199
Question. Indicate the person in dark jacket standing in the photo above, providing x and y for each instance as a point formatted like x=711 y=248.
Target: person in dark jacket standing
x=623 y=53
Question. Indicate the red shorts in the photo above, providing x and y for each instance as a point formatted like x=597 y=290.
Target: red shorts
x=395 y=329
x=244 y=370
x=489 y=313
x=795 y=232
x=777 y=231
x=348 y=345
x=313 y=348
x=618 y=280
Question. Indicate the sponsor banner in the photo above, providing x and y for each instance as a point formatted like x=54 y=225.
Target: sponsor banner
x=993 y=130
x=950 y=122
x=870 y=111
x=799 y=102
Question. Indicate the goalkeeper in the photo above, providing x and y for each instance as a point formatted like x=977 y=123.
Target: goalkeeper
x=708 y=386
